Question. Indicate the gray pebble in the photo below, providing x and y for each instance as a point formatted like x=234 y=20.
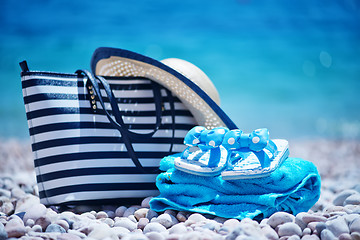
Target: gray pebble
x=119 y=212
x=154 y=236
x=340 y=197
x=307 y=218
x=125 y=223
x=352 y=200
x=63 y=224
x=294 y=237
x=130 y=211
x=269 y=233
x=43 y=222
x=141 y=213
x=196 y=217
x=320 y=227
x=132 y=218
x=306 y=231
x=232 y=223
x=154 y=227
x=15 y=228
x=55 y=228
x=181 y=216
x=142 y=223
x=178 y=228
x=355 y=235
x=351 y=217
x=145 y=203
x=121 y=232
x=280 y=218
x=289 y=229
x=36 y=228
x=101 y=214
x=68 y=236
x=327 y=235
x=166 y=220
x=310 y=237
x=35 y=212
x=338 y=226
x=151 y=214
x=234 y=234
x=345 y=236
x=3 y=233
x=355 y=225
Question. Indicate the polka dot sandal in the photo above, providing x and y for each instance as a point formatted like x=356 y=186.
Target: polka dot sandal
x=252 y=155
x=204 y=156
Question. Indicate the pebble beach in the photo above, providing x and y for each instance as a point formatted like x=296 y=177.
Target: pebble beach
x=335 y=216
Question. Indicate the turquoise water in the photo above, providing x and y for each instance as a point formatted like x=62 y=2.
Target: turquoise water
x=293 y=67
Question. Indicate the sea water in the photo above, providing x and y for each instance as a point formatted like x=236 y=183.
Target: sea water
x=290 y=66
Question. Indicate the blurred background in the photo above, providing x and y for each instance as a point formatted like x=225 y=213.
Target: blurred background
x=290 y=66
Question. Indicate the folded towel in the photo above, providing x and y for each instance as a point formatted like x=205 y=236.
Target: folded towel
x=294 y=187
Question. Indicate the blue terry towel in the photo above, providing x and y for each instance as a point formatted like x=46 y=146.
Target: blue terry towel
x=294 y=187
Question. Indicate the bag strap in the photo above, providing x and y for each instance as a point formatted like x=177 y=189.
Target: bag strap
x=119 y=124
x=117 y=114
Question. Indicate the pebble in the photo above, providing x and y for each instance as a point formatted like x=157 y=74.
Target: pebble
x=340 y=197
x=166 y=220
x=35 y=212
x=320 y=227
x=178 y=228
x=155 y=236
x=310 y=237
x=345 y=236
x=352 y=200
x=355 y=225
x=145 y=203
x=181 y=216
x=151 y=214
x=141 y=213
x=15 y=228
x=3 y=233
x=289 y=229
x=68 y=236
x=306 y=231
x=125 y=223
x=196 y=217
x=270 y=233
x=101 y=214
x=338 y=226
x=355 y=235
x=154 y=227
x=279 y=218
x=327 y=235
x=119 y=212
x=55 y=228
x=121 y=232
x=64 y=224
x=130 y=211
x=307 y=218
x=142 y=223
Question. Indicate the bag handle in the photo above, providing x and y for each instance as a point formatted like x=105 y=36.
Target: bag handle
x=119 y=123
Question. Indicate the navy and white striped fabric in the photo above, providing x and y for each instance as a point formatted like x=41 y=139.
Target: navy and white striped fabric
x=79 y=156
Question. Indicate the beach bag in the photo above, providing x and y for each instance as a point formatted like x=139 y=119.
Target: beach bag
x=99 y=139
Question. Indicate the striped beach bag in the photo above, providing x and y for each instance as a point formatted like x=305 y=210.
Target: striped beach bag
x=99 y=139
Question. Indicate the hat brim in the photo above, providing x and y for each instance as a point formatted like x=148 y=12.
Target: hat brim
x=119 y=62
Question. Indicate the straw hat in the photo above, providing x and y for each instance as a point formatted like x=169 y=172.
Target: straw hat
x=183 y=79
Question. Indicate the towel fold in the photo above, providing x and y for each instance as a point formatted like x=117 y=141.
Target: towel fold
x=294 y=187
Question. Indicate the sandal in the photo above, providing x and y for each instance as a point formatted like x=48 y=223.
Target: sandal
x=210 y=158
x=264 y=157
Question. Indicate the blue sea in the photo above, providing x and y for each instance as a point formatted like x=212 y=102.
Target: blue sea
x=290 y=66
